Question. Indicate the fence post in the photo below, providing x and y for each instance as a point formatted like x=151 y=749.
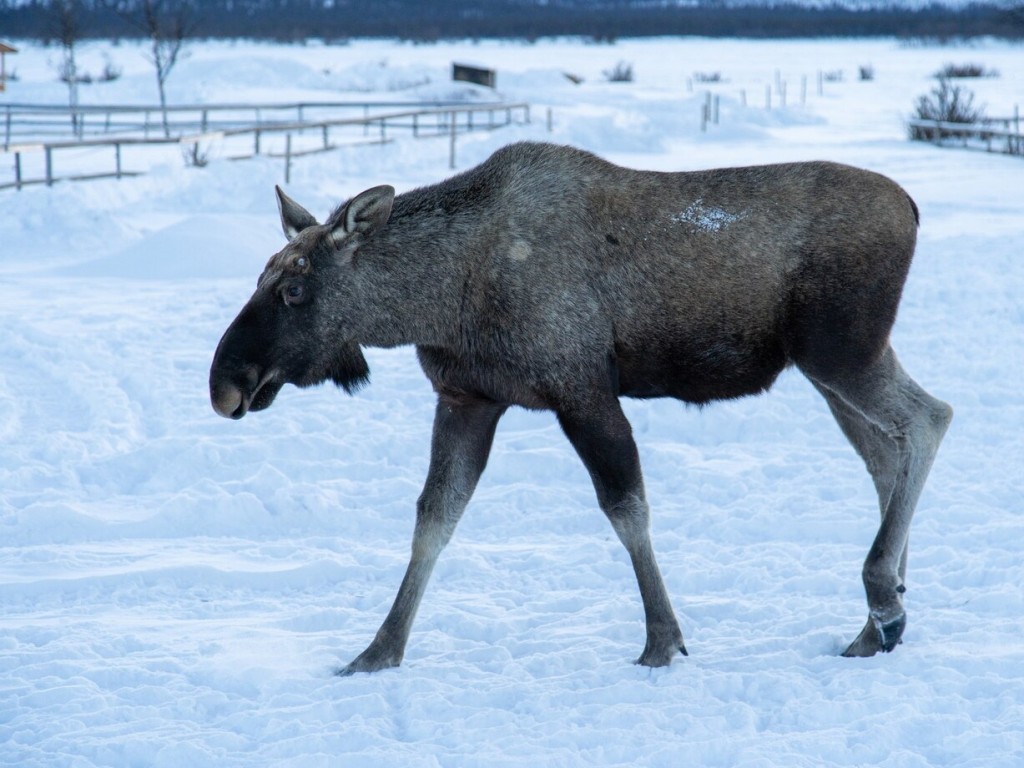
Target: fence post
x=550 y=120
x=451 y=144
x=17 y=170
x=7 y=135
x=288 y=159
x=49 y=166
x=256 y=146
x=1016 y=128
x=117 y=160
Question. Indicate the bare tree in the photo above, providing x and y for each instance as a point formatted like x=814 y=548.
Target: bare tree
x=67 y=28
x=167 y=24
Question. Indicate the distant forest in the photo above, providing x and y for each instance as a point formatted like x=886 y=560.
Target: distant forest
x=420 y=21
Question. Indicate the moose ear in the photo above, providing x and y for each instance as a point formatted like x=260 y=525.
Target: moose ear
x=294 y=218
x=364 y=214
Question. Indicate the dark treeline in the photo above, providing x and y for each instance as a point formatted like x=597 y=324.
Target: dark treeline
x=333 y=20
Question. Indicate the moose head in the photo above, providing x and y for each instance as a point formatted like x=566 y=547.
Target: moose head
x=301 y=325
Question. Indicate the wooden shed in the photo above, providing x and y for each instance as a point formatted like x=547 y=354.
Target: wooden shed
x=4 y=50
x=469 y=73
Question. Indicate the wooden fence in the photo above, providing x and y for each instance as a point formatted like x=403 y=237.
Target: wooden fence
x=275 y=138
x=20 y=122
x=1000 y=134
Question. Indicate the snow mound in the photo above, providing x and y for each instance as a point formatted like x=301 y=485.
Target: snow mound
x=198 y=246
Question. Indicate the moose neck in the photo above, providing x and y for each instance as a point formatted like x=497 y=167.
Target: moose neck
x=412 y=274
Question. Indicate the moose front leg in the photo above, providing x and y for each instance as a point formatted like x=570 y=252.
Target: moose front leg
x=463 y=433
x=603 y=438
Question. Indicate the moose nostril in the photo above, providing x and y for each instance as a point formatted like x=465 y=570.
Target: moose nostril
x=252 y=377
x=227 y=401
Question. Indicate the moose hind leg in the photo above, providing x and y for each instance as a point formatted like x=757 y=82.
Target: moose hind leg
x=880 y=454
x=896 y=427
x=876 y=448
x=604 y=441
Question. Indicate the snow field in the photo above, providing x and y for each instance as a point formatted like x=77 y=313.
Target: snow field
x=175 y=589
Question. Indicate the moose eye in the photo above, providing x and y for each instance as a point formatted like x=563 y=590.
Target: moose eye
x=294 y=293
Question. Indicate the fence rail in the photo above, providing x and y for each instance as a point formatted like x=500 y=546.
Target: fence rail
x=20 y=122
x=293 y=138
x=1001 y=134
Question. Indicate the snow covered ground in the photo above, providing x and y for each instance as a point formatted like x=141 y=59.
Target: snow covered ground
x=175 y=588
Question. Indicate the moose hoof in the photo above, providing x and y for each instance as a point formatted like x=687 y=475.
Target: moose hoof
x=370 y=660
x=876 y=636
x=661 y=654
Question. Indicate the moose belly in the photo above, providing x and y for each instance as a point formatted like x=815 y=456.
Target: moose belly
x=700 y=373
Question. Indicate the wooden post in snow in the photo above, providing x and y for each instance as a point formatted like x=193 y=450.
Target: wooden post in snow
x=288 y=159
x=451 y=141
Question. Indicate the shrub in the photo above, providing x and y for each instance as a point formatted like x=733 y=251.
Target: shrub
x=707 y=77
x=64 y=74
x=867 y=72
x=110 y=73
x=195 y=156
x=965 y=70
x=620 y=73
x=946 y=103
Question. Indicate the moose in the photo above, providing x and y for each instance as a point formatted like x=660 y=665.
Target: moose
x=549 y=278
